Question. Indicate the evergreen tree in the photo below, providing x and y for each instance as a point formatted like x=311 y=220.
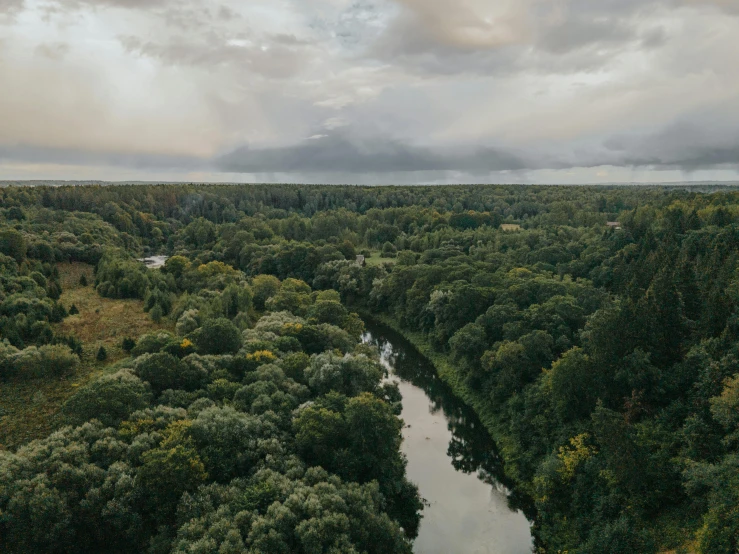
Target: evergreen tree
x=102 y=354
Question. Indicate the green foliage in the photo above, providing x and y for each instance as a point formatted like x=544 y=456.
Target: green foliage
x=164 y=371
x=217 y=336
x=117 y=276
x=348 y=375
x=37 y=362
x=264 y=287
x=605 y=359
x=110 y=399
x=13 y=244
x=102 y=354
x=128 y=344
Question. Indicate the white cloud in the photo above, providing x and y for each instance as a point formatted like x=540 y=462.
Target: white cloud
x=548 y=86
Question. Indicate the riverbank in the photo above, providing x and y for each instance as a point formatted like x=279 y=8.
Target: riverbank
x=451 y=377
x=670 y=530
x=451 y=458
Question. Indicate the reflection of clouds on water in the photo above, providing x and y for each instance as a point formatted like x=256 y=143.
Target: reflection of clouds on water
x=453 y=461
x=154 y=262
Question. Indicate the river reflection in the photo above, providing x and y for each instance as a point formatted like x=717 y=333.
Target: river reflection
x=453 y=461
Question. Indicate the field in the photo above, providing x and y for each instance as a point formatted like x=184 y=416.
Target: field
x=30 y=409
x=376 y=259
x=510 y=227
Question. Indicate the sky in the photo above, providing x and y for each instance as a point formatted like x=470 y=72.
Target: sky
x=370 y=91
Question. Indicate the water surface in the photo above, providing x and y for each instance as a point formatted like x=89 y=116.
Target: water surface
x=453 y=461
x=154 y=262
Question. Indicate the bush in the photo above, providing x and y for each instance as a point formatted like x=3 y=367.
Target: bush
x=44 y=361
x=110 y=399
x=128 y=344
x=152 y=342
x=156 y=313
x=188 y=322
x=83 y=280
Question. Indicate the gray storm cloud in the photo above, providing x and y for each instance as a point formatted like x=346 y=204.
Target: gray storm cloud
x=341 y=153
x=351 y=89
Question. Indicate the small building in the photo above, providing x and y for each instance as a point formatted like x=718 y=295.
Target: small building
x=613 y=224
x=361 y=261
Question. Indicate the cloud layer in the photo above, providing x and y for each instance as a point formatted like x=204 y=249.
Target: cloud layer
x=370 y=90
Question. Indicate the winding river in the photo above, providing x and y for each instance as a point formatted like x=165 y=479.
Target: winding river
x=453 y=461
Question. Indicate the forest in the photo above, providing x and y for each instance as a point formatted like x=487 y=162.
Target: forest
x=224 y=403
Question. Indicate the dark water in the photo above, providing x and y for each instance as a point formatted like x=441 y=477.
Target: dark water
x=453 y=461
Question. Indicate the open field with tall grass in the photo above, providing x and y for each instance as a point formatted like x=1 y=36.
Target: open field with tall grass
x=31 y=409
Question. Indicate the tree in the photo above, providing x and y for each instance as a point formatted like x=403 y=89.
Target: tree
x=264 y=287
x=110 y=399
x=168 y=472
x=228 y=441
x=156 y=313
x=328 y=312
x=164 y=371
x=13 y=244
x=348 y=375
x=389 y=250
x=468 y=344
x=102 y=354
x=217 y=336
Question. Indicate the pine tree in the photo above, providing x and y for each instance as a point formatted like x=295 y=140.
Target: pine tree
x=102 y=354
x=83 y=280
x=73 y=310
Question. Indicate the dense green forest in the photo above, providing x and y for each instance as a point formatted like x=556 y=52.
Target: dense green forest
x=603 y=360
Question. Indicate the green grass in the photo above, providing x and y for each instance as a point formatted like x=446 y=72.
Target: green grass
x=376 y=259
x=31 y=409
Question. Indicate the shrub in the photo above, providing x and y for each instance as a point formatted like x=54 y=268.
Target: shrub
x=128 y=344
x=110 y=399
x=152 y=342
x=102 y=354
x=188 y=322
x=156 y=313
x=44 y=361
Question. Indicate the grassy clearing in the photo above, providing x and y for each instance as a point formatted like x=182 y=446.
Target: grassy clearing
x=376 y=259
x=30 y=409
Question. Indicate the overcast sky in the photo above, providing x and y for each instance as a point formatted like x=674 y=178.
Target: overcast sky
x=370 y=91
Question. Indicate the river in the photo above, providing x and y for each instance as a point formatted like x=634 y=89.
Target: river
x=453 y=461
